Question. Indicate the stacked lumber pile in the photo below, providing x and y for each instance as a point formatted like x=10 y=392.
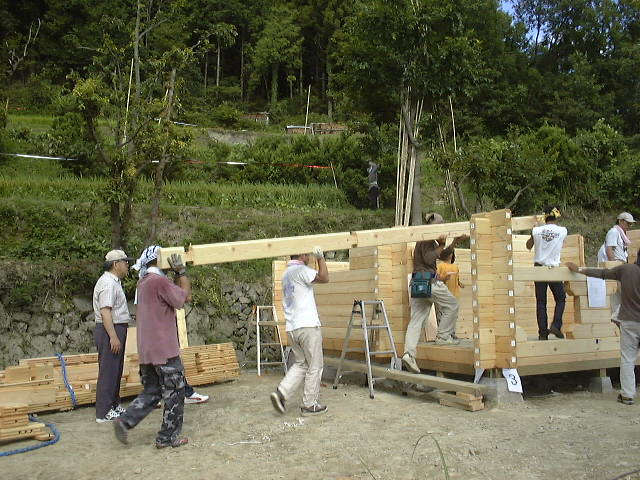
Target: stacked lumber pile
x=461 y=400
x=38 y=383
x=15 y=424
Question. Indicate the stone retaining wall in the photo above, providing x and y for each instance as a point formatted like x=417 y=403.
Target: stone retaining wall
x=65 y=325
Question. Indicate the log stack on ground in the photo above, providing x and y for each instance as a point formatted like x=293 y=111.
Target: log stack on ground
x=15 y=424
x=38 y=384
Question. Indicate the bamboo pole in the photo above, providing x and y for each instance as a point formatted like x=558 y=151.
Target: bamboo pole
x=306 y=118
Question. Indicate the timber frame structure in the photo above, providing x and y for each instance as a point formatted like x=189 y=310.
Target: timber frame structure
x=497 y=322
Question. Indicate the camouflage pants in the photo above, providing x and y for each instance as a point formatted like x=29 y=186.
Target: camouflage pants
x=164 y=382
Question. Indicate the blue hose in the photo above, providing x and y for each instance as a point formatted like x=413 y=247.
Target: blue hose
x=55 y=439
x=66 y=380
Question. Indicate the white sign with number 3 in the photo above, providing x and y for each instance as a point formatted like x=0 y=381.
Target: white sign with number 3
x=513 y=379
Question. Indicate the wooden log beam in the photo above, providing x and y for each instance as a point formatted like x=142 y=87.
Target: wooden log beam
x=276 y=247
x=546 y=274
x=445 y=384
x=524 y=223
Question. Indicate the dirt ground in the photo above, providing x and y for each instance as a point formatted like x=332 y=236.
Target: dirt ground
x=238 y=435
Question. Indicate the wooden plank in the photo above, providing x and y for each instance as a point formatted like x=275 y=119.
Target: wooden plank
x=566 y=347
x=593 y=330
x=358 y=263
x=369 y=285
x=600 y=316
x=579 y=287
x=440 y=383
x=182 y=328
x=469 y=406
x=29 y=396
x=28 y=373
x=524 y=223
x=253 y=249
x=363 y=252
x=388 y=236
x=555 y=274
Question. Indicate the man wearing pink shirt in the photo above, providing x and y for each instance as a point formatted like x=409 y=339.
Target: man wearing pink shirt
x=161 y=370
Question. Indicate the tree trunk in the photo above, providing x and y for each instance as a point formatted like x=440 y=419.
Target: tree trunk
x=274 y=84
x=411 y=118
x=136 y=52
x=116 y=230
x=158 y=180
x=416 y=197
x=218 y=65
x=206 y=70
x=242 y=66
x=328 y=93
x=300 y=76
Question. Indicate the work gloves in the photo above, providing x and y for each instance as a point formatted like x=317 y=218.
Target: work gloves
x=176 y=263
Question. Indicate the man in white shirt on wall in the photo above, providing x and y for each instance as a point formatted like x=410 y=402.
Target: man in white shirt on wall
x=303 y=331
x=615 y=248
x=548 y=240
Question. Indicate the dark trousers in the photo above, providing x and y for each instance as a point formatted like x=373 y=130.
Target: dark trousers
x=374 y=195
x=557 y=289
x=109 y=368
x=164 y=382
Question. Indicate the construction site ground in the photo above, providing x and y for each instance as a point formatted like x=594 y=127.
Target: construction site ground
x=568 y=433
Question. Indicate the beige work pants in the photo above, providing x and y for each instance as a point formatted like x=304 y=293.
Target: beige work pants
x=306 y=345
x=446 y=312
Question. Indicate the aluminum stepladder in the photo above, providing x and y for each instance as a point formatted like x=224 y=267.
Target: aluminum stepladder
x=269 y=323
x=367 y=326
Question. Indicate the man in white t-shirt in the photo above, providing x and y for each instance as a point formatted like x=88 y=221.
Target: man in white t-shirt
x=547 y=240
x=303 y=331
x=613 y=249
x=616 y=242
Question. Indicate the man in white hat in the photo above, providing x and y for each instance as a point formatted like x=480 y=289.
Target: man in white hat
x=615 y=248
x=616 y=242
x=111 y=315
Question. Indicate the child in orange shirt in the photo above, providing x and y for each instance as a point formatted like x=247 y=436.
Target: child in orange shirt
x=449 y=273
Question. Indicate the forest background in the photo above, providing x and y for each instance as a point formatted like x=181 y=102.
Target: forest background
x=523 y=103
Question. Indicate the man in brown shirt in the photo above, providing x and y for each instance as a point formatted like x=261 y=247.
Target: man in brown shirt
x=629 y=319
x=425 y=255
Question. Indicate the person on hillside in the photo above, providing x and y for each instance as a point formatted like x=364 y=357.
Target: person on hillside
x=615 y=248
x=547 y=241
x=161 y=369
x=303 y=331
x=425 y=255
x=111 y=314
x=374 y=188
x=629 y=319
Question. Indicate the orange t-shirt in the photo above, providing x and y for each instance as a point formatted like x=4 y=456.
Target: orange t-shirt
x=450 y=275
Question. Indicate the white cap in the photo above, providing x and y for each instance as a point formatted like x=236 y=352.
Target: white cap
x=627 y=217
x=116 y=255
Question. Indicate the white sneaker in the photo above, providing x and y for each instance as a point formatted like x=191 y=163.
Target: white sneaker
x=196 y=398
x=447 y=341
x=120 y=409
x=410 y=363
x=109 y=417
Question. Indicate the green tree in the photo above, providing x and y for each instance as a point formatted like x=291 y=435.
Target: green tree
x=410 y=55
x=278 y=46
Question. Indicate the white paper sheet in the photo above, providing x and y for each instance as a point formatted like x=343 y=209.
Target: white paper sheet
x=597 y=292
